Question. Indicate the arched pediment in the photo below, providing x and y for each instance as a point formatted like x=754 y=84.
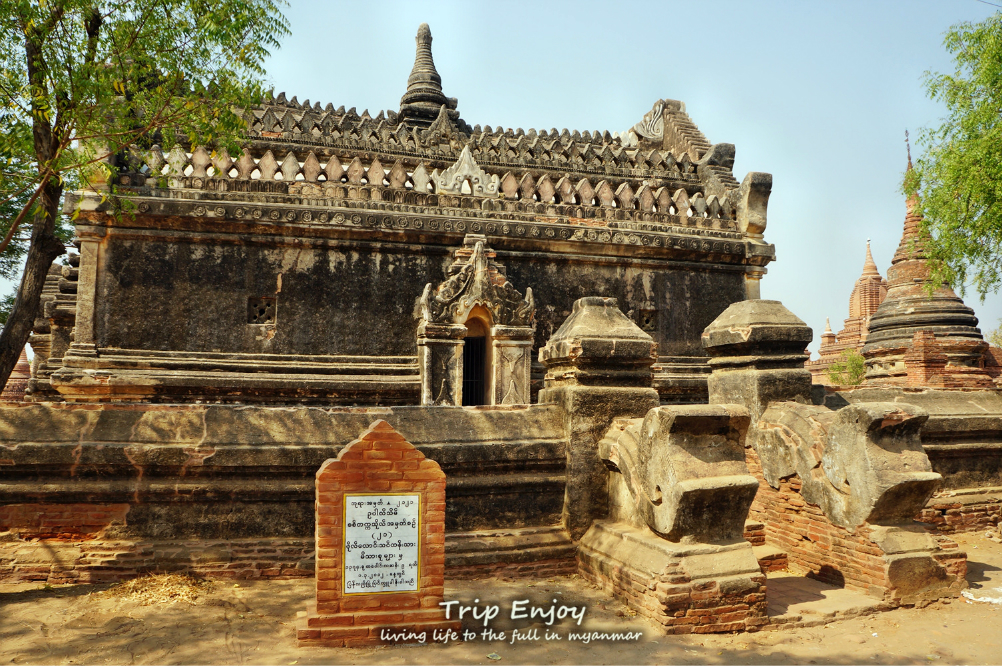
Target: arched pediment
x=476 y=280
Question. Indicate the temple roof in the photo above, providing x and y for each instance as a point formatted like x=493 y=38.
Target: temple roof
x=310 y=164
x=664 y=143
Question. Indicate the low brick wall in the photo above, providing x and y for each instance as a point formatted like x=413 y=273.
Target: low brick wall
x=685 y=588
x=105 y=561
x=88 y=558
x=754 y=533
x=60 y=521
x=538 y=569
x=963 y=510
x=820 y=549
x=680 y=605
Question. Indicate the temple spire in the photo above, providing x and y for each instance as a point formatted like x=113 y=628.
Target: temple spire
x=424 y=97
x=870 y=268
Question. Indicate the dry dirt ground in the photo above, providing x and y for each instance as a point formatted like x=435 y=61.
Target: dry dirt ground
x=253 y=623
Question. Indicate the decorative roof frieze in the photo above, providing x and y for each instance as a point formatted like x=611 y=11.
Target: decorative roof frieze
x=430 y=213
x=466 y=171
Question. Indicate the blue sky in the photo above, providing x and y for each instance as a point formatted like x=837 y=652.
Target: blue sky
x=818 y=94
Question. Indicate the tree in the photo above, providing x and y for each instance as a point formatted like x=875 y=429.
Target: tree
x=848 y=370
x=80 y=80
x=6 y=303
x=959 y=174
x=995 y=336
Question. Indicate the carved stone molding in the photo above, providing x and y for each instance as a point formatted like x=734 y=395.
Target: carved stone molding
x=465 y=169
x=476 y=280
x=651 y=126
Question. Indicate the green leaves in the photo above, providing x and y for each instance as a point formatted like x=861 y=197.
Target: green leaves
x=849 y=370
x=80 y=80
x=958 y=177
x=115 y=72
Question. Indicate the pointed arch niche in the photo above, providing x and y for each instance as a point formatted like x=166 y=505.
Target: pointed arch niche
x=475 y=337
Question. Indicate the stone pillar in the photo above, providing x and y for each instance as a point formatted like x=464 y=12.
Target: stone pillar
x=83 y=339
x=753 y=278
x=757 y=351
x=440 y=362
x=511 y=358
x=598 y=369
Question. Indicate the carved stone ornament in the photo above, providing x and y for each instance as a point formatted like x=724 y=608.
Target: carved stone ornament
x=651 y=126
x=477 y=281
x=451 y=180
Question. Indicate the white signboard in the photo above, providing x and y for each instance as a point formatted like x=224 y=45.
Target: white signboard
x=381 y=543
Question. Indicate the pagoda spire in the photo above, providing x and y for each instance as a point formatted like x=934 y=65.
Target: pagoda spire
x=424 y=98
x=911 y=308
x=870 y=268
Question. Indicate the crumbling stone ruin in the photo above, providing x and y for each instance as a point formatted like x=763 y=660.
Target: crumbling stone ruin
x=567 y=323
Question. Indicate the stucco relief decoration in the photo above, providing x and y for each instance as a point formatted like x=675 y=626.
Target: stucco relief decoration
x=651 y=126
x=477 y=282
x=451 y=180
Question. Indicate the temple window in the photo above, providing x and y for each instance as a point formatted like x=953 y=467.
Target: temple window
x=476 y=360
x=261 y=310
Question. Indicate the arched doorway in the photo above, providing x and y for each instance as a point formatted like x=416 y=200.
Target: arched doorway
x=477 y=359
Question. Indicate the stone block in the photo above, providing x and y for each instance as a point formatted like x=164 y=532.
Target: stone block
x=683 y=469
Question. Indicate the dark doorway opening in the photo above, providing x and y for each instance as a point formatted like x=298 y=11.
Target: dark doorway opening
x=474 y=381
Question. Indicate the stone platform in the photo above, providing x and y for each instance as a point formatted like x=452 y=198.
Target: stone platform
x=794 y=601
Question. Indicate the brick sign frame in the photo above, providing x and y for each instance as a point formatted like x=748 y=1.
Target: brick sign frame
x=380 y=461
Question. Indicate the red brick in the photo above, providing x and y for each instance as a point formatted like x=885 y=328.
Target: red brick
x=344 y=632
x=384 y=475
x=358 y=603
x=339 y=620
x=367 y=465
x=377 y=618
x=390 y=454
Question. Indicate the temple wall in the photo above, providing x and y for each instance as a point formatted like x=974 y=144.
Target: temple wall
x=169 y=312
x=192 y=295
x=117 y=489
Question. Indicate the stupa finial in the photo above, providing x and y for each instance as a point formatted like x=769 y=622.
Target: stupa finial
x=421 y=103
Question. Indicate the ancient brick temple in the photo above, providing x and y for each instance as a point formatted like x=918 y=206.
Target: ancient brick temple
x=920 y=336
x=291 y=273
x=868 y=293
x=567 y=323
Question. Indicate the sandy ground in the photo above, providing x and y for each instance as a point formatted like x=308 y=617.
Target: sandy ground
x=253 y=623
